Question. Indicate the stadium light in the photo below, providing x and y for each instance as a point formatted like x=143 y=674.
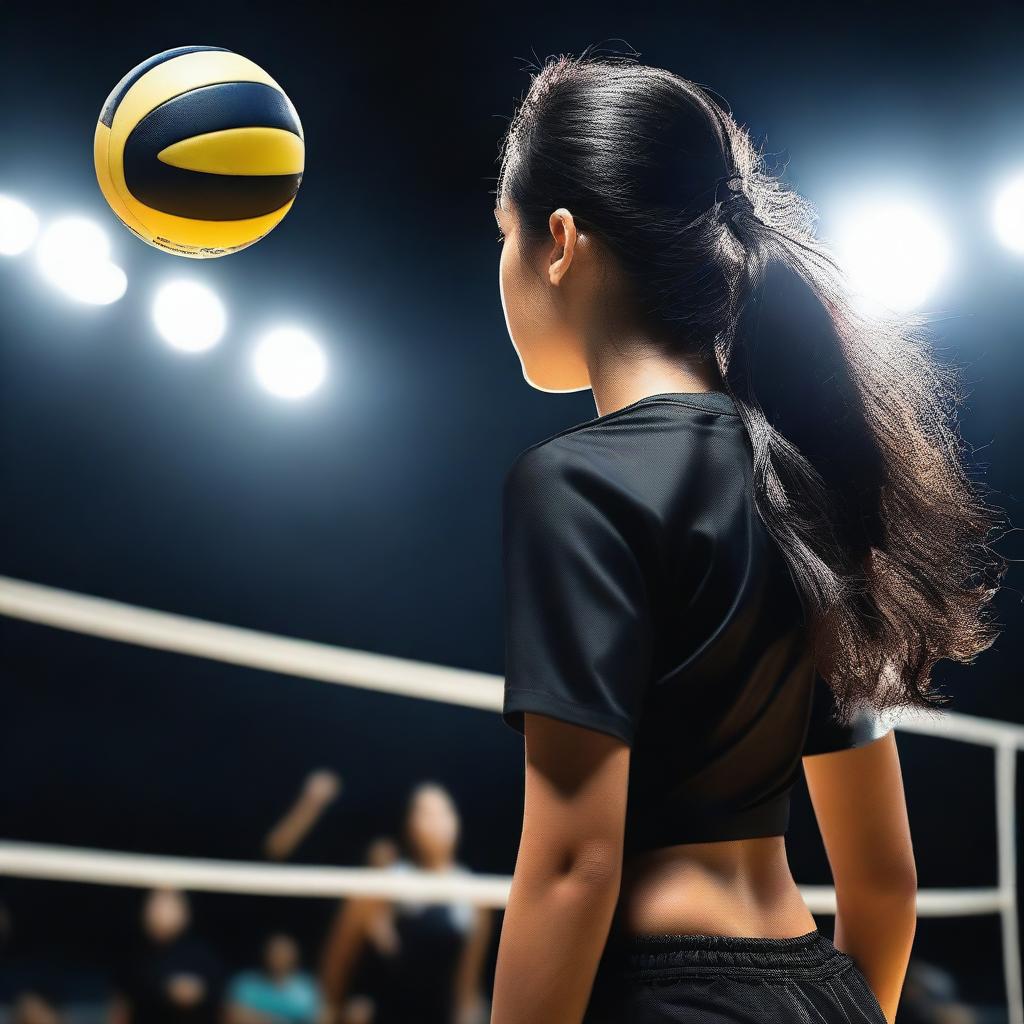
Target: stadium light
x=289 y=363
x=895 y=252
x=18 y=226
x=74 y=256
x=189 y=316
x=1008 y=214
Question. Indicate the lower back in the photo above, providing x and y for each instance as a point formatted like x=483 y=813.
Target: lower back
x=736 y=887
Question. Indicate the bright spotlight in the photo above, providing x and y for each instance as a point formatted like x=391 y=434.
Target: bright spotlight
x=289 y=363
x=1008 y=215
x=18 y=227
x=74 y=256
x=98 y=285
x=894 y=252
x=189 y=316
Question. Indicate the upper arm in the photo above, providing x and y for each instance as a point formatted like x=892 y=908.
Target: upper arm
x=578 y=650
x=577 y=626
x=575 y=804
x=853 y=776
x=858 y=799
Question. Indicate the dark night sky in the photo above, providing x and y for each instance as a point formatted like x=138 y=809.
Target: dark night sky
x=368 y=516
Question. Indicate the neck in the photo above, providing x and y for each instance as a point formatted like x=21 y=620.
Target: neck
x=619 y=378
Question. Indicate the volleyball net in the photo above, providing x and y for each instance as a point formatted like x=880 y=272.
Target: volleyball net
x=113 y=620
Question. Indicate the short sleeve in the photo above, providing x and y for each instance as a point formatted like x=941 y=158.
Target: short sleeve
x=576 y=616
x=825 y=735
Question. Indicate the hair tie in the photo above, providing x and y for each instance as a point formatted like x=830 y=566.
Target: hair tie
x=730 y=198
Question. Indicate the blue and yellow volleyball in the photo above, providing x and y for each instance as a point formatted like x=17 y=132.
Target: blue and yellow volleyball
x=199 y=151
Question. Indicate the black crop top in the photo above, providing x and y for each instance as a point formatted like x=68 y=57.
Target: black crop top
x=644 y=598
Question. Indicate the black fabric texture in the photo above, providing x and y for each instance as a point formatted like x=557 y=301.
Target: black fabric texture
x=644 y=598
x=726 y=979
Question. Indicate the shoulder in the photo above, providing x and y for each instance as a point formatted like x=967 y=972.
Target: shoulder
x=543 y=464
x=567 y=487
x=550 y=486
x=559 y=471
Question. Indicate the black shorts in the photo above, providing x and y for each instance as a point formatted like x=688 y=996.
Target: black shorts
x=726 y=979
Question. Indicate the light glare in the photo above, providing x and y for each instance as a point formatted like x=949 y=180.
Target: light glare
x=894 y=252
x=189 y=316
x=18 y=226
x=1008 y=215
x=98 y=284
x=74 y=256
x=289 y=363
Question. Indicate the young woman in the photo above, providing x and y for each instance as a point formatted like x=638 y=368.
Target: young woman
x=759 y=547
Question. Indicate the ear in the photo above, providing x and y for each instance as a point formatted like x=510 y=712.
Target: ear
x=563 y=231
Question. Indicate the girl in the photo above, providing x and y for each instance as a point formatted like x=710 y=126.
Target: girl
x=756 y=551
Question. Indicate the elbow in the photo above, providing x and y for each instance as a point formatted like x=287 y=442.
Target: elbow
x=887 y=869
x=893 y=884
x=596 y=865
x=568 y=872
x=901 y=879
x=910 y=878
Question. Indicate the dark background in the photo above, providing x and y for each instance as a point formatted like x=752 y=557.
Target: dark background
x=368 y=515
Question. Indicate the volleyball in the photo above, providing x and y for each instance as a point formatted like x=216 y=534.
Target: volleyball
x=199 y=151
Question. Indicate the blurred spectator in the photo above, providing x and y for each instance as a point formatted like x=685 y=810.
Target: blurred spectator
x=175 y=977
x=428 y=958
x=278 y=993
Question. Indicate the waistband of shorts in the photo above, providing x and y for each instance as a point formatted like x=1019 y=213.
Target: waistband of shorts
x=811 y=955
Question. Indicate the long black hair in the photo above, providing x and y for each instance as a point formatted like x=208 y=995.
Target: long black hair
x=859 y=466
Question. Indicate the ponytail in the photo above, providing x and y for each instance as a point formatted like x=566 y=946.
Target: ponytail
x=859 y=468
x=857 y=463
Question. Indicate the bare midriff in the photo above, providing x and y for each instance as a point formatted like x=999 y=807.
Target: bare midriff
x=735 y=887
